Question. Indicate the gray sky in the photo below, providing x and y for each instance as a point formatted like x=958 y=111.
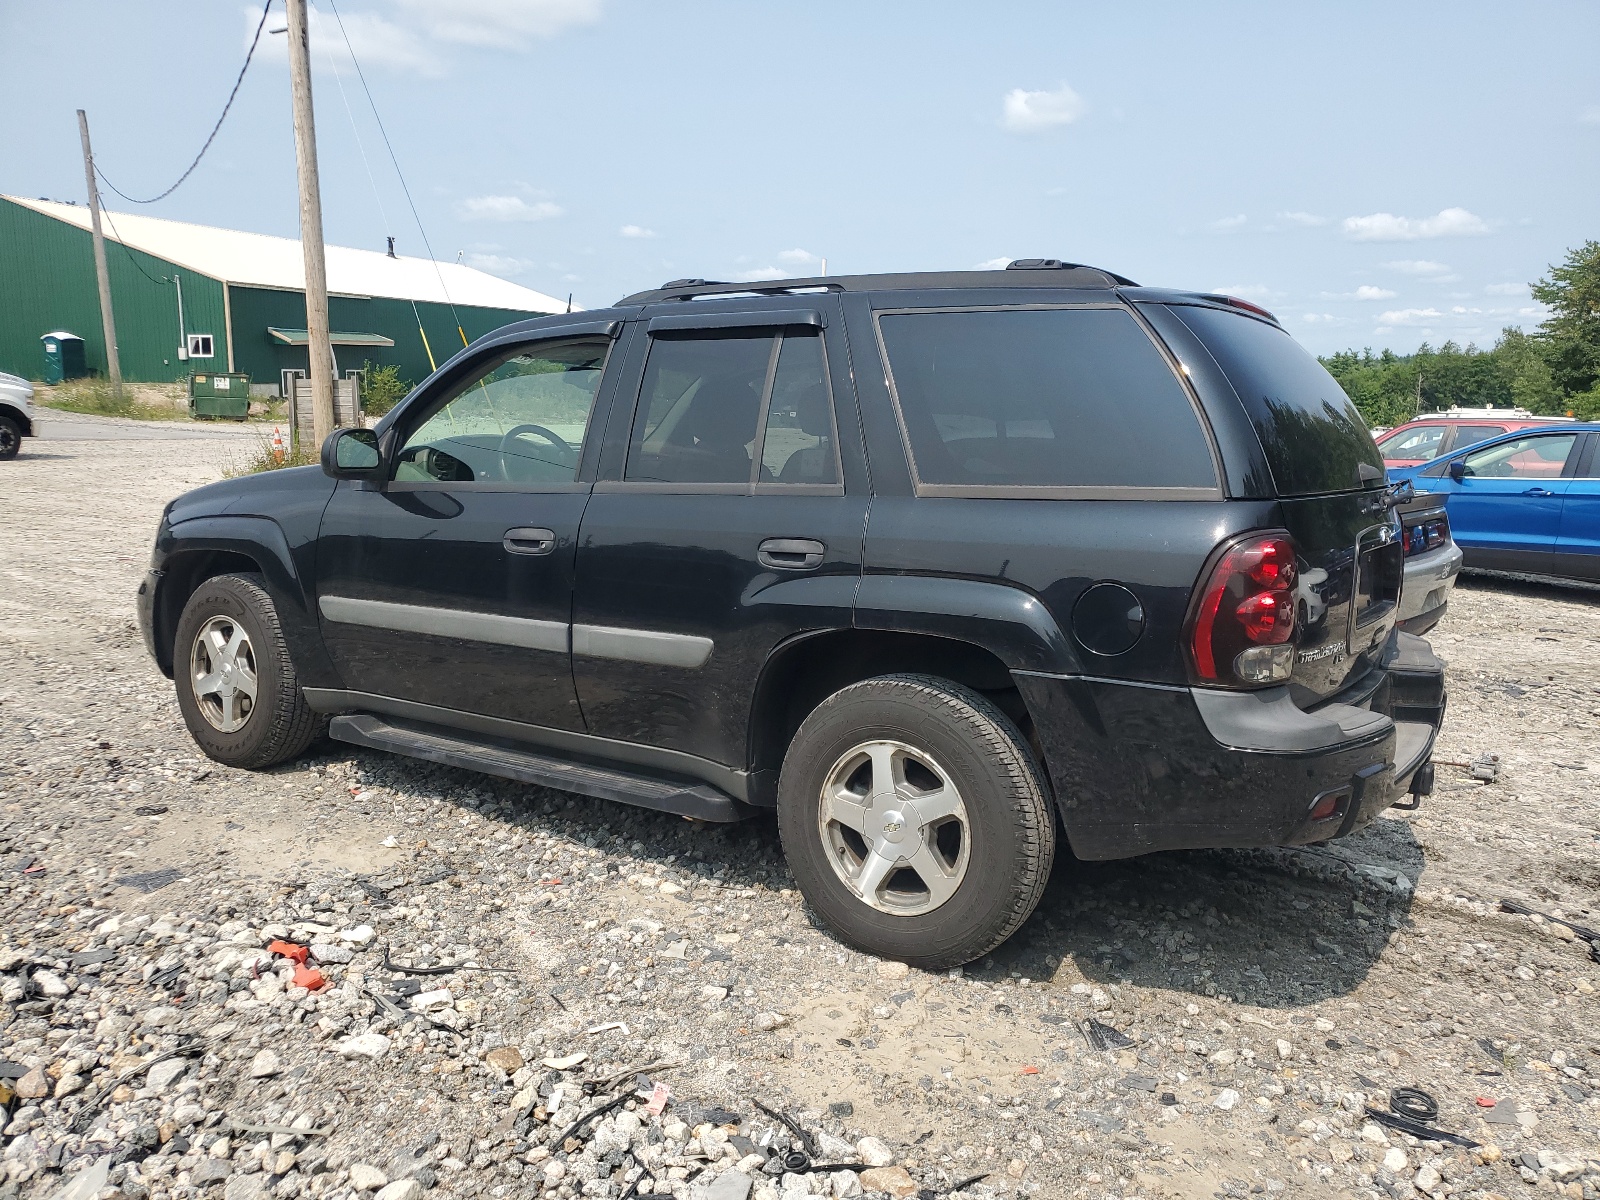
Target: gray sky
x=1377 y=174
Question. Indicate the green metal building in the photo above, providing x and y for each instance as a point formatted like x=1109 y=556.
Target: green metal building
x=193 y=298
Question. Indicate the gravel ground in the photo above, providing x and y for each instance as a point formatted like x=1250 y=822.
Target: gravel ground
x=1250 y=1005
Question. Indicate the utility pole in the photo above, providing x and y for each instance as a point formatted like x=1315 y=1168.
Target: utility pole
x=108 y=323
x=318 y=348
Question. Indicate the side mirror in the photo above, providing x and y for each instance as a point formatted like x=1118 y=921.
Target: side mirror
x=352 y=454
x=1458 y=469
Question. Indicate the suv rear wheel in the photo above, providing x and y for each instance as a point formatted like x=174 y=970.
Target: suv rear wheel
x=236 y=686
x=10 y=438
x=915 y=820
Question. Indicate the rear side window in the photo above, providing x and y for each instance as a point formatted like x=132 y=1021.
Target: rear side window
x=1314 y=438
x=748 y=407
x=1041 y=398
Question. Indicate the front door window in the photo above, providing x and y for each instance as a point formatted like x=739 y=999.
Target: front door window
x=1539 y=457
x=521 y=418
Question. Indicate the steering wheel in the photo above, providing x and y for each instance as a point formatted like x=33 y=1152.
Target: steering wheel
x=566 y=456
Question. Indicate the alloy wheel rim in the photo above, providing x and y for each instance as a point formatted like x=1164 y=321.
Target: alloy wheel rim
x=894 y=827
x=222 y=665
x=8 y=441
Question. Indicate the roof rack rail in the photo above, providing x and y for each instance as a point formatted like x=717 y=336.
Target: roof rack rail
x=1050 y=272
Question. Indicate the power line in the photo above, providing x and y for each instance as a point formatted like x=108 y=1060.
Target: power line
x=361 y=75
x=253 y=42
x=163 y=280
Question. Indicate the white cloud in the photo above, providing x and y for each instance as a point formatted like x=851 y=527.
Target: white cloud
x=506 y=208
x=1312 y=318
x=1590 y=115
x=1421 y=267
x=636 y=231
x=760 y=273
x=376 y=41
x=1246 y=291
x=1229 y=224
x=1409 y=316
x=1386 y=227
x=1506 y=289
x=801 y=258
x=994 y=264
x=1304 y=219
x=1367 y=292
x=1033 y=112
x=499 y=264
x=501 y=24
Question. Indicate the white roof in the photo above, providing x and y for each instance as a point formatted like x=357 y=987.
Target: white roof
x=260 y=260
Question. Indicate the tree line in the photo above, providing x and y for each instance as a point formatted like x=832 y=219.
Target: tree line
x=1552 y=371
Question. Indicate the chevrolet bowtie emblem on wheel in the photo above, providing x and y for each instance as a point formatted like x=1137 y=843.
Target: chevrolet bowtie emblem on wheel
x=891 y=827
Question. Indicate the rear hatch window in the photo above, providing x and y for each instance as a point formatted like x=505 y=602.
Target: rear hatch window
x=1314 y=439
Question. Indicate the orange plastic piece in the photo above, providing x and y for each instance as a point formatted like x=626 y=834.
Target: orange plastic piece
x=309 y=978
x=1030 y=1070
x=1486 y=1101
x=294 y=953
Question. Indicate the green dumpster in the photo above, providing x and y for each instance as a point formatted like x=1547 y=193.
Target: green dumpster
x=63 y=357
x=219 y=394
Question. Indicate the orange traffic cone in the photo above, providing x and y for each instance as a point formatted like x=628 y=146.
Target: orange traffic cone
x=277 y=444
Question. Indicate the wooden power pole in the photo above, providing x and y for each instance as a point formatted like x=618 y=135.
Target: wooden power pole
x=318 y=348
x=108 y=323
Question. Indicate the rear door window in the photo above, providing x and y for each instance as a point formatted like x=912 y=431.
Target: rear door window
x=997 y=400
x=735 y=407
x=1314 y=438
x=1471 y=435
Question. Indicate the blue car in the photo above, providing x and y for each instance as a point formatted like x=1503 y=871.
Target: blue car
x=1527 y=502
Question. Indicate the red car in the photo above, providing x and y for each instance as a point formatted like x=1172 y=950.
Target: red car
x=1438 y=433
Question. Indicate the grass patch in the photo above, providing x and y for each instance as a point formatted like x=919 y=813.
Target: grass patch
x=265 y=457
x=95 y=397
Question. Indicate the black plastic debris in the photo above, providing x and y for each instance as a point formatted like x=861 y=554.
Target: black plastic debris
x=794 y=1127
x=1104 y=1037
x=842 y=1108
x=1410 y=1111
x=151 y=881
x=1589 y=935
x=150 y=810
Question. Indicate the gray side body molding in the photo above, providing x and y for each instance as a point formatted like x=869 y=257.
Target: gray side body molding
x=447 y=622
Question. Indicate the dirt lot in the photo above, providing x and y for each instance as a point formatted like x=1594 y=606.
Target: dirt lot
x=1258 y=1001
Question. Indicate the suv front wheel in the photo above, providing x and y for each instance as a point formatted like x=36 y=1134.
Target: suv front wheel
x=236 y=685
x=916 y=820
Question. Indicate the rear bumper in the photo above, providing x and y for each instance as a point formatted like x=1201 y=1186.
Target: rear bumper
x=1138 y=768
x=1429 y=579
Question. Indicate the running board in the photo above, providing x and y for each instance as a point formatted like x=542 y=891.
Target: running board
x=698 y=800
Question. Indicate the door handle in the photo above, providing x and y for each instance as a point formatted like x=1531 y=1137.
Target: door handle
x=529 y=540
x=1538 y=491
x=791 y=554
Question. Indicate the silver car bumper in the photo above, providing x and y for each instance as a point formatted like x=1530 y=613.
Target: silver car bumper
x=1428 y=580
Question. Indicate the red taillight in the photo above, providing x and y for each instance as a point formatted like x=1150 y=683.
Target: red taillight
x=1246 y=601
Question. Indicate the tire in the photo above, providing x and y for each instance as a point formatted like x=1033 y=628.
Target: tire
x=988 y=865
x=244 y=645
x=10 y=438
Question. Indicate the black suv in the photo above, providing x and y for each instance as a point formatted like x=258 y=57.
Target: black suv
x=942 y=567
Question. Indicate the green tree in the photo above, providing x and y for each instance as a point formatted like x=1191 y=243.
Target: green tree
x=1521 y=362
x=381 y=388
x=1571 y=334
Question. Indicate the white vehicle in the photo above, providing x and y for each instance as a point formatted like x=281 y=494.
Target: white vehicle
x=16 y=413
